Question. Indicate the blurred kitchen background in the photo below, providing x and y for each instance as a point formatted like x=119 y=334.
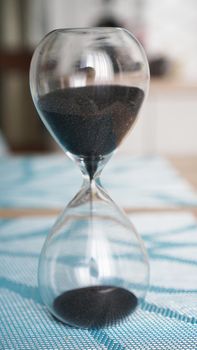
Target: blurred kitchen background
x=168 y=31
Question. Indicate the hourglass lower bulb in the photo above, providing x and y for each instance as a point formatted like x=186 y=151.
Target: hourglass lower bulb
x=93 y=268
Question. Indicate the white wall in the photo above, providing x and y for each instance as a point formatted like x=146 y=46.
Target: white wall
x=171 y=28
x=167 y=124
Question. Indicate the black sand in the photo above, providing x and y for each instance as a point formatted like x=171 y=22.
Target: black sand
x=97 y=306
x=91 y=121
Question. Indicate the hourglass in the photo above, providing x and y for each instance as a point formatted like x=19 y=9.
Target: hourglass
x=88 y=86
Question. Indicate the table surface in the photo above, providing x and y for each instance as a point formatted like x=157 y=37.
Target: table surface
x=185 y=165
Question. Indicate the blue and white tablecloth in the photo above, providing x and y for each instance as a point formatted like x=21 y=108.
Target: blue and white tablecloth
x=52 y=181
x=167 y=319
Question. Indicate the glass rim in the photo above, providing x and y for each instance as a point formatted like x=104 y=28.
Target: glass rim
x=89 y=29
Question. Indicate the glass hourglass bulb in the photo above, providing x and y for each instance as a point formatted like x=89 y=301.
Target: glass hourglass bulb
x=88 y=86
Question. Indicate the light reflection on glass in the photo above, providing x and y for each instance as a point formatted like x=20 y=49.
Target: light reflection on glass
x=95 y=67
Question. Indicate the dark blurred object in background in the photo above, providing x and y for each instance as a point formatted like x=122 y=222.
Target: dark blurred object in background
x=19 y=123
x=18 y=119
x=106 y=18
x=160 y=66
x=108 y=22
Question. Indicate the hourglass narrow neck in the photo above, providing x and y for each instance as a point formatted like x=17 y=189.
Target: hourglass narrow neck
x=93 y=185
x=92 y=166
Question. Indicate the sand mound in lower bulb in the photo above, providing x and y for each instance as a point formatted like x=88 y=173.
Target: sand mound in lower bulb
x=99 y=306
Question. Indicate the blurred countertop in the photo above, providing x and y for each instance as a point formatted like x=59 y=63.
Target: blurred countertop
x=172 y=84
